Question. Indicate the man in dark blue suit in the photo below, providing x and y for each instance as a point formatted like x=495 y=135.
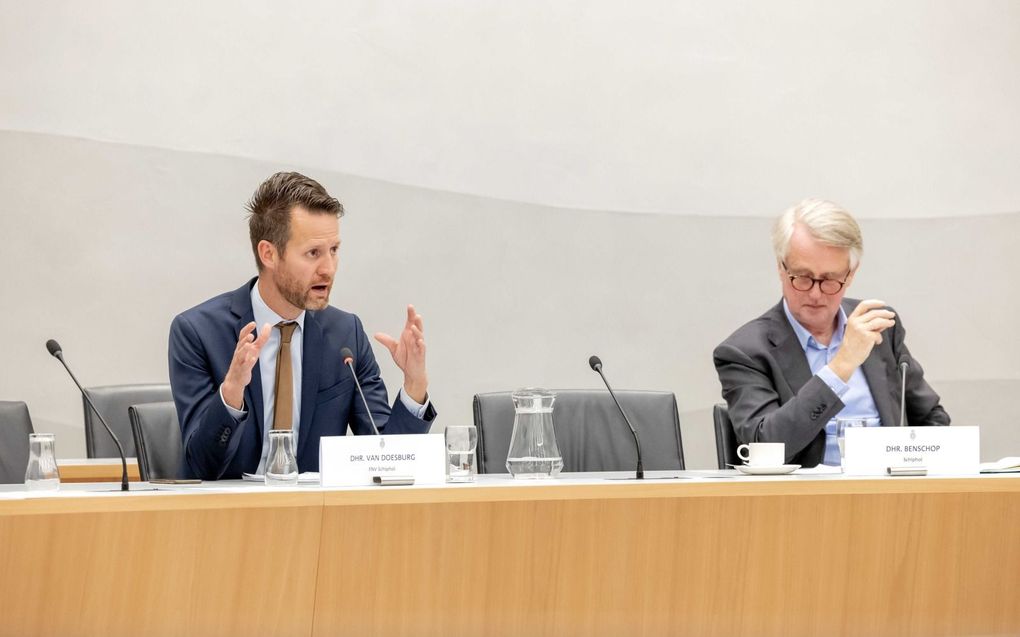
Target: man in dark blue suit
x=233 y=383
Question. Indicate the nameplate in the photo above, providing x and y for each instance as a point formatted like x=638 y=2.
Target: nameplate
x=946 y=451
x=352 y=461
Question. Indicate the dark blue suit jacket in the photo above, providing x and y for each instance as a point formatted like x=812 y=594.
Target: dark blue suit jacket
x=202 y=343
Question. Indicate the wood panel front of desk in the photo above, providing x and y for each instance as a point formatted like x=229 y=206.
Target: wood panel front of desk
x=215 y=564
x=878 y=557
x=932 y=557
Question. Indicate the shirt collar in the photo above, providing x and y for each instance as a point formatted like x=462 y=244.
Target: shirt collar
x=263 y=314
x=804 y=336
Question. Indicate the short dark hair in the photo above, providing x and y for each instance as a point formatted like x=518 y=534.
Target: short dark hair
x=269 y=208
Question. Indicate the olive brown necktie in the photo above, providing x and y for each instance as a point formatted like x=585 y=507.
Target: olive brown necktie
x=283 y=411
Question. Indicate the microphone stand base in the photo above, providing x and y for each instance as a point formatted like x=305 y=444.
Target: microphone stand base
x=906 y=471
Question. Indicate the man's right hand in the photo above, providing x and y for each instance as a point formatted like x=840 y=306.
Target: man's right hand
x=246 y=354
x=864 y=329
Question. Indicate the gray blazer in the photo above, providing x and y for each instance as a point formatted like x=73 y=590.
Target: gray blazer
x=773 y=397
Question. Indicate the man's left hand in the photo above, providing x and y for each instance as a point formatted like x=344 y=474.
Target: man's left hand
x=409 y=354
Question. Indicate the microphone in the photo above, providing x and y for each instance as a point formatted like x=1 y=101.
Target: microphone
x=348 y=357
x=596 y=364
x=903 y=389
x=54 y=349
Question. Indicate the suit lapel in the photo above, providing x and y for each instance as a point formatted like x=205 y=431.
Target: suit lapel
x=787 y=350
x=311 y=368
x=241 y=307
x=875 y=373
x=791 y=359
x=878 y=383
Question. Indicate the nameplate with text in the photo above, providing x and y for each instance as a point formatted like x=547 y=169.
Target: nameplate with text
x=353 y=461
x=938 y=450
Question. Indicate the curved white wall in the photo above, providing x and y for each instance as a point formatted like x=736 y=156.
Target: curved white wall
x=730 y=107
x=134 y=134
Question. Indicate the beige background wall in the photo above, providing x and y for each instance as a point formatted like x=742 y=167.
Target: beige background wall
x=544 y=183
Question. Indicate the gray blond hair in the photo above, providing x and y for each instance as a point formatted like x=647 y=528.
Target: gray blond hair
x=827 y=222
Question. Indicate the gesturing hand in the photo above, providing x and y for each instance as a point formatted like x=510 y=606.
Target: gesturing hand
x=864 y=329
x=246 y=354
x=409 y=354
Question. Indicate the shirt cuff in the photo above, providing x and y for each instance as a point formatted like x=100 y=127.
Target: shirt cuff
x=834 y=382
x=237 y=415
x=409 y=403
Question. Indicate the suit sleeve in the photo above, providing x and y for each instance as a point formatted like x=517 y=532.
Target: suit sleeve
x=390 y=420
x=923 y=404
x=754 y=403
x=209 y=434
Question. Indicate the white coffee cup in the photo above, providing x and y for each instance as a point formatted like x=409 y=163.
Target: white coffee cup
x=763 y=454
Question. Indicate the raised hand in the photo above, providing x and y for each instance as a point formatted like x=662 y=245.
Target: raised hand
x=246 y=354
x=864 y=329
x=408 y=352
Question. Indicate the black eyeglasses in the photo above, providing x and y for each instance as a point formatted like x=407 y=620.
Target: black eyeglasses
x=804 y=283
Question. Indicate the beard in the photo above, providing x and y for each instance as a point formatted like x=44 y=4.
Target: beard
x=295 y=293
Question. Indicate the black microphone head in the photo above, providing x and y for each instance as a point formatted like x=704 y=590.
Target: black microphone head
x=595 y=363
x=347 y=355
x=53 y=347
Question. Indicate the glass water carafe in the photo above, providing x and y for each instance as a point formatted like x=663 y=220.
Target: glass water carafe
x=42 y=473
x=533 y=451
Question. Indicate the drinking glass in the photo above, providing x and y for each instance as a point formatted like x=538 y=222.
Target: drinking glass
x=461 y=441
x=842 y=424
x=281 y=464
x=42 y=473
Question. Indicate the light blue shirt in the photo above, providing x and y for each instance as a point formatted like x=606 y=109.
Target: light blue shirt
x=856 y=395
x=267 y=368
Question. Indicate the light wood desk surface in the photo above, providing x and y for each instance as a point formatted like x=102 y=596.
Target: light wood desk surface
x=751 y=556
x=96 y=469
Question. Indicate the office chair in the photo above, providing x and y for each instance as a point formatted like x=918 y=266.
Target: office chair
x=157 y=438
x=725 y=439
x=113 y=401
x=15 y=426
x=590 y=432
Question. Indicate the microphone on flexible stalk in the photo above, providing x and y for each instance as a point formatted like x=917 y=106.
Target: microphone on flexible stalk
x=903 y=364
x=54 y=349
x=348 y=357
x=596 y=364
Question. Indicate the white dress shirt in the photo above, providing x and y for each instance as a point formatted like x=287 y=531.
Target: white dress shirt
x=267 y=368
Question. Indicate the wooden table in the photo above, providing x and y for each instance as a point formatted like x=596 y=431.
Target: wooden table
x=788 y=556
x=96 y=469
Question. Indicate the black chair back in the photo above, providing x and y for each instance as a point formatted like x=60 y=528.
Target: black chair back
x=113 y=401
x=157 y=438
x=590 y=432
x=15 y=426
x=725 y=438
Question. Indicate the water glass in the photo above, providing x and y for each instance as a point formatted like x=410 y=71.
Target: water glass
x=281 y=464
x=42 y=473
x=461 y=442
x=842 y=424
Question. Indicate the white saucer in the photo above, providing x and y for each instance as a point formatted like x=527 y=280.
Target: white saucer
x=766 y=471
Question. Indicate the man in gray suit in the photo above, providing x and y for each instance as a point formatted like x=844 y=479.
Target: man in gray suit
x=814 y=356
